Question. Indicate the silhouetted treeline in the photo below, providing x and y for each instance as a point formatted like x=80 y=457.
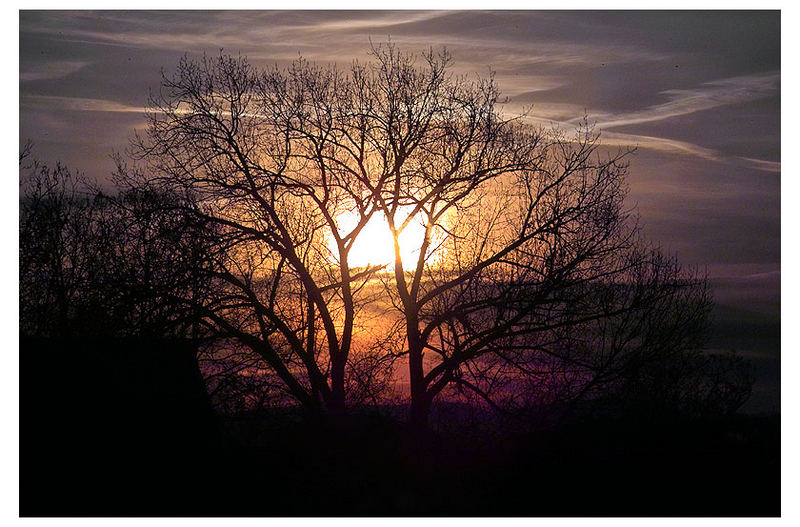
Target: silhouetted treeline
x=99 y=264
x=94 y=263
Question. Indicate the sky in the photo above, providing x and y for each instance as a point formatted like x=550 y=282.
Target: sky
x=698 y=93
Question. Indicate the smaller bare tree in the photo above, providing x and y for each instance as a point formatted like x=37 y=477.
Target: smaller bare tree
x=60 y=251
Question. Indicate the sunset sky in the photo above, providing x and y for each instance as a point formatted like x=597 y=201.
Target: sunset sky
x=699 y=94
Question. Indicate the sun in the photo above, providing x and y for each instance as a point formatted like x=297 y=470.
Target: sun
x=374 y=245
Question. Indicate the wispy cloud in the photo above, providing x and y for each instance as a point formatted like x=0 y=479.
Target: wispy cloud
x=51 y=70
x=767 y=166
x=662 y=144
x=708 y=95
x=273 y=35
x=378 y=19
x=77 y=104
x=547 y=116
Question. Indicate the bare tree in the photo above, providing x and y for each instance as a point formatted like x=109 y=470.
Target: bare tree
x=270 y=160
x=525 y=268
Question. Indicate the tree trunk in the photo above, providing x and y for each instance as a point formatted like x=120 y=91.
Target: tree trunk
x=420 y=410
x=336 y=404
x=420 y=399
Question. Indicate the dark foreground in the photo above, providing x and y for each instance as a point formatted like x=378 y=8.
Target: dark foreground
x=113 y=435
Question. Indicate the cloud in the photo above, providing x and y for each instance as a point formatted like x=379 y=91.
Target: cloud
x=77 y=104
x=262 y=34
x=377 y=20
x=708 y=95
x=760 y=164
x=547 y=119
x=51 y=70
x=663 y=144
x=660 y=144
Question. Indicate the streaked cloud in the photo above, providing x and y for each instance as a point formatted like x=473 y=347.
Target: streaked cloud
x=662 y=144
x=708 y=95
x=50 y=70
x=378 y=19
x=760 y=164
x=555 y=115
x=77 y=104
x=276 y=35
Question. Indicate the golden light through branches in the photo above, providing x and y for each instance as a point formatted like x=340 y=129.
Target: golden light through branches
x=375 y=244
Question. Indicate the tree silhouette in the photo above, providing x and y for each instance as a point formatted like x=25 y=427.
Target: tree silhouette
x=527 y=283
x=59 y=253
x=87 y=256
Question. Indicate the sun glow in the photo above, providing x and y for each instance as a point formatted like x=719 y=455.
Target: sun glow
x=375 y=246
